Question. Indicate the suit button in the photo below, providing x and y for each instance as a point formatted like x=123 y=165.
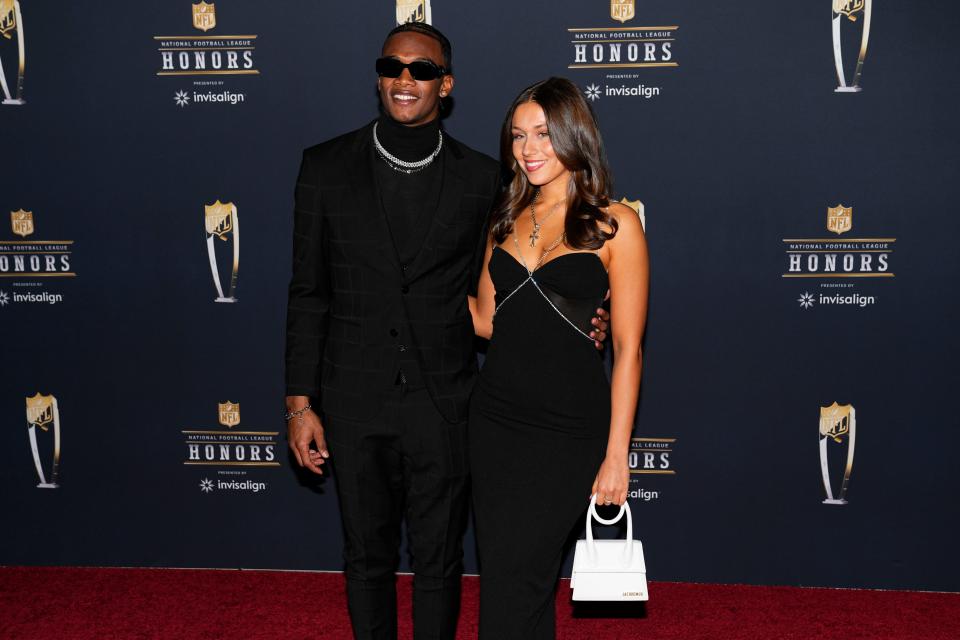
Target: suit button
x=402 y=348
x=393 y=333
x=404 y=289
x=403 y=268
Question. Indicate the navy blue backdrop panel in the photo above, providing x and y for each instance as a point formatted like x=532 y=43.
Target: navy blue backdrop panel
x=803 y=248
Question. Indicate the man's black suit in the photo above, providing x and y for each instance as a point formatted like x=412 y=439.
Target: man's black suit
x=348 y=280
x=360 y=310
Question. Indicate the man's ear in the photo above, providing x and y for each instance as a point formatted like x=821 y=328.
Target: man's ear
x=446 y=86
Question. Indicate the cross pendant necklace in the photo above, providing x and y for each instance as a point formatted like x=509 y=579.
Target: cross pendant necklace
x=535 y=234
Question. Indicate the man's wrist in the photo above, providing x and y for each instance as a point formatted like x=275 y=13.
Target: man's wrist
x=295 y=403
x=296 y=413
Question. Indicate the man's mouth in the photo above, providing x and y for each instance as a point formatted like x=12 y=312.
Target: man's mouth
x=404 y=98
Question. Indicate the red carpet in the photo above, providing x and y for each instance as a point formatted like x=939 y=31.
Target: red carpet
x=87 y=604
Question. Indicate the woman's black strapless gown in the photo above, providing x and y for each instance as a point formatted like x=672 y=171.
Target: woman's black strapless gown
x=539 y=421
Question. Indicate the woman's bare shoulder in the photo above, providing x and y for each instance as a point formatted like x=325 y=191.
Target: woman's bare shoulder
x=628 y=220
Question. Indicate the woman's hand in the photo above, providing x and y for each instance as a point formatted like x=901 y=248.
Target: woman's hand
x=611 y=483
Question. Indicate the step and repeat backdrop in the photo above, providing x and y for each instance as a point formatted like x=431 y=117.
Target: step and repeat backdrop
x=796 y=166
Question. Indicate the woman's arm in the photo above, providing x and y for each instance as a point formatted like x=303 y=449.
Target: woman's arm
x=629 y=272
x=481 y=307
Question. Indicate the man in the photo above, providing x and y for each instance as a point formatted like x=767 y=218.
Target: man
x=388 y=233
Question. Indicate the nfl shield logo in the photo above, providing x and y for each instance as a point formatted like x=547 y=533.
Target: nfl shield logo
x=218 y=218
x=204 y=16
x=848 y=7
x=8 y=18
x=411 y=11
x=22 y=222
x=622 y=10
x=229 y=413
x=835 y=421
x=40 y=410
x=839 y=219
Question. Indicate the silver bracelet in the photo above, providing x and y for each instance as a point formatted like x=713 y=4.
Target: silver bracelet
x=297 y=413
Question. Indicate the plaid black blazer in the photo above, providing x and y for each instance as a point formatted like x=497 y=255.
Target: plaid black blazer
x=348 y=283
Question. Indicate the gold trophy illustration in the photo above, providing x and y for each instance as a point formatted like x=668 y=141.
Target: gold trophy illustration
x=11 y=20
x=847 y=12
x=221 y=222
x=42 y=412
x=836 y=422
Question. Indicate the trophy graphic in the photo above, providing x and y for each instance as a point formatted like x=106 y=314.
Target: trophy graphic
x=221 y=221
x=11 y=20
x=42 y=411
x=848 y=11
x=837 y=421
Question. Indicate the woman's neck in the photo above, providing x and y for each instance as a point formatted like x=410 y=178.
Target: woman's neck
x=556 y=190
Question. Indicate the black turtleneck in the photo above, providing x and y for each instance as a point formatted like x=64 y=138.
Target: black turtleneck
x=408 y=143
x=409 y=199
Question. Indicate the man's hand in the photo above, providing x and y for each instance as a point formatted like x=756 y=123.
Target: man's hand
x=600 y=322
x=302 y=430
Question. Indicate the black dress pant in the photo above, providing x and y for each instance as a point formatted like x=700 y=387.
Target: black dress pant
x=407 y=463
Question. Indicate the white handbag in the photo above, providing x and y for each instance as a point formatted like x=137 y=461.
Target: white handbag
x=609 y=570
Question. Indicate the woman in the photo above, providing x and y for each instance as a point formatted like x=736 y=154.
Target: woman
x=546 y=427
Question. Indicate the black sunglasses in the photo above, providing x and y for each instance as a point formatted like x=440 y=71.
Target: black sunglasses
x=419 y=69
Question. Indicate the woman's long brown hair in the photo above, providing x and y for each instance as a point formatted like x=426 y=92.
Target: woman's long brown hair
x=579 y=148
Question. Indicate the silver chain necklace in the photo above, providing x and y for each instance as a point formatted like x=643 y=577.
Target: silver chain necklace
x=397 y=164
x=535 y=234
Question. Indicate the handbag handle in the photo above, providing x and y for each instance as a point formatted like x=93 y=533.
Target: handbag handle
x=624 y=510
